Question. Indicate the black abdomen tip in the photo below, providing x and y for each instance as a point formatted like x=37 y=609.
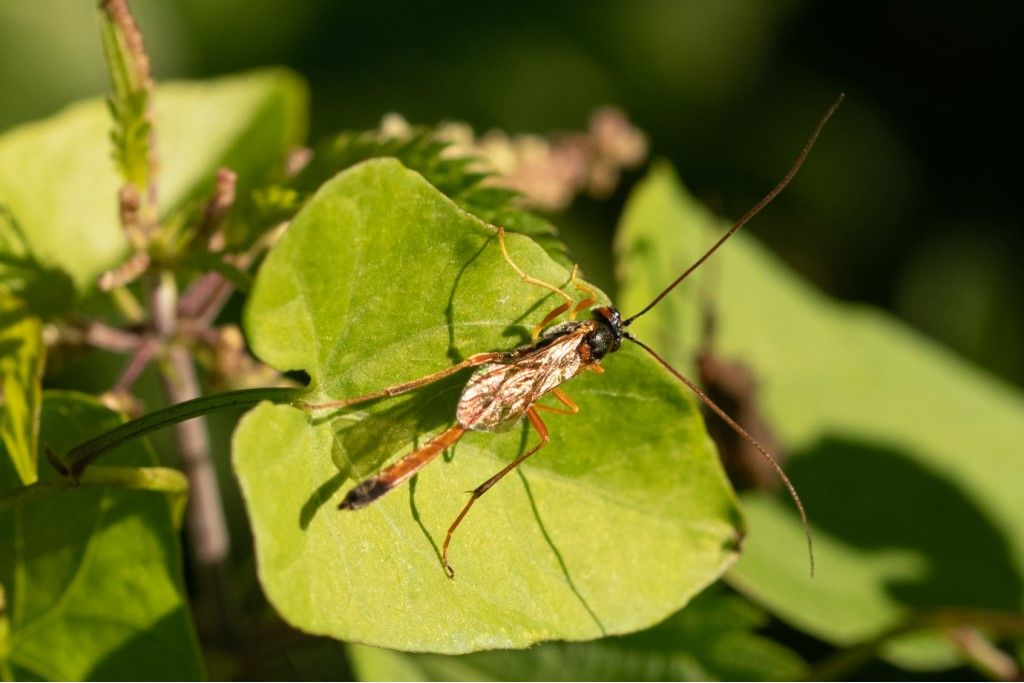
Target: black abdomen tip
x=364 y=494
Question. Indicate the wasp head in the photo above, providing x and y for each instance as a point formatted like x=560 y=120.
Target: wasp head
x=607 y=334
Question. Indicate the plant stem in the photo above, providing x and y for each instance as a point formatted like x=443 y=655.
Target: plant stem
x=161 y=479
x=84 y=454
x=207 y=527
x=136 y=364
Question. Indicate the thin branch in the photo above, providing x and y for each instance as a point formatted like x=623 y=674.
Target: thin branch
x=136 y=364
x=217 y=208
x=84 y=454
x=206 y=297
x=110 y=338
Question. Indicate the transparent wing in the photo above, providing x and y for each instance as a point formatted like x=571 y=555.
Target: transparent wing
x=500 y=392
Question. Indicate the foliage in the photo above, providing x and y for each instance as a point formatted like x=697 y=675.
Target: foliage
x=876 y=419
x=710 y=640
x=374 y=261
x=21 y=369
x=92 y=575
x=381 y=279
x=460 y=178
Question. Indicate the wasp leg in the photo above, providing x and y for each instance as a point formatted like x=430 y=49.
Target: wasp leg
x=571 y=408
x=472 y=361
x=586 y=302
x=560 y=309
x=480 y=490
x=590 y=296
x=376 y=486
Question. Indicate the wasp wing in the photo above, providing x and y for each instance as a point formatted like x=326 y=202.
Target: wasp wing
x=499 y=392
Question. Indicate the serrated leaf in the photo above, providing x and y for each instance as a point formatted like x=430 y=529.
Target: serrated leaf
x=711 y=639
x=613 y=526
x=58 y=178
x=419 y=150
x=21 y=372
x=456 y=177
x=906 y=457
x=92 y=576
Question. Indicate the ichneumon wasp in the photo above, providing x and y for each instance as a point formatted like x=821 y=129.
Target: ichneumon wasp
x=506 y=385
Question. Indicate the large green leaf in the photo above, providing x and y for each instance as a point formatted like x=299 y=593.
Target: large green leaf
x=58 y=178
x=45 y=291
x=612 y=527
x=21 y=374
x=459 y=178
x=908 y=459
x=92 y=576
x=711 y=639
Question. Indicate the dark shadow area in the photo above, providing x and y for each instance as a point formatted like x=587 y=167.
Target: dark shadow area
x=9 y=347
x=321 y=495
x=523 y=444
x=876 y=497
x=162 y=647
x=363 y=446
x=12 y=317
x=46 y=290
x=558 y=555
x=449 y=311
x=416 y=517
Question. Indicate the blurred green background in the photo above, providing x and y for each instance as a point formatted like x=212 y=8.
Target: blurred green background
x=910 y=202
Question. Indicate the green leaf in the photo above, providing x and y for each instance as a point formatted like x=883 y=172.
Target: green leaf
x=613 y=526
x=459 y=178
x=907 y=458
x=21 y=372
x=92 y=576
x=45 y=290
x=711 y=639
x=58 y=178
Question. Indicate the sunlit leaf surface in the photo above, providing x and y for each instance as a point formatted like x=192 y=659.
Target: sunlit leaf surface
x=58 y=179
x=611 y=528
x=21 y=370
x=92 y=577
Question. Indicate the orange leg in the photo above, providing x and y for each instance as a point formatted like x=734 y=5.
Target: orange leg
x=480 y=490
x=472 y=361
x=570 y=405
x=558 y=310
x=590 y=296
x=586 y=302
x=376 y=486
x=524 y=276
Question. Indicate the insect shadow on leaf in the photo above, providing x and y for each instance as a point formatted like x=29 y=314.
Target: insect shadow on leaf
x=554 y=549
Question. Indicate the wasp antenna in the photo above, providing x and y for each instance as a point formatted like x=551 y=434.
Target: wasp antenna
x=742 y=432
x=752 y=212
